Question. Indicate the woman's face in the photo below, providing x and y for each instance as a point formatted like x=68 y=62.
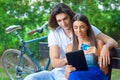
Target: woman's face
x=80 y=29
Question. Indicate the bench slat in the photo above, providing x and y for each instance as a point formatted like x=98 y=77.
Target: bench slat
x=43 y=50
x=115 y=58
x=115 y=52
x=115 y=63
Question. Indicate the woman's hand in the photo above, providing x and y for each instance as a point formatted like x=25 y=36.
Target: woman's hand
x=68 y=69
x=91 y=50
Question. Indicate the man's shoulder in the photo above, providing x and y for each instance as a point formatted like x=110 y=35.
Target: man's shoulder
x=93 y=26
x=57 y=30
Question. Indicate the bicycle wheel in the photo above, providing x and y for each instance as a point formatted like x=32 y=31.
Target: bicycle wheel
x=10 y=62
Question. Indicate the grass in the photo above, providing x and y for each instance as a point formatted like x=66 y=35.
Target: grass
x=115 y=75
x=3 y=76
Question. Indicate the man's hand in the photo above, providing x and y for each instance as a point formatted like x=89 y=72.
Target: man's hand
x=104 y=58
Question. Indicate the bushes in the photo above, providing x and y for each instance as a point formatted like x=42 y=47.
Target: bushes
x=33 y=15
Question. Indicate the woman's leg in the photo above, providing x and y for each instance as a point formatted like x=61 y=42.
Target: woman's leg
x=94 y=73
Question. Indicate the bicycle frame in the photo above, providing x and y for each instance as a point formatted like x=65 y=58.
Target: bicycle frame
x=33 y=59
x=24 y=49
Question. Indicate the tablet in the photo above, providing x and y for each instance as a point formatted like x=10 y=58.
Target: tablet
x=77 y=59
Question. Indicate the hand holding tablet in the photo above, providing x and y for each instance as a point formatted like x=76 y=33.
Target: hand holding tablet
x=77 y=60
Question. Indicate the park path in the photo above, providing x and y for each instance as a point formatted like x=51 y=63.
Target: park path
x=0 y=62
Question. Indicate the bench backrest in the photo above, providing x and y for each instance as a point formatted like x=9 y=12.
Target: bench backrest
x=43 y=50
x=114 y=56
x=114 y=60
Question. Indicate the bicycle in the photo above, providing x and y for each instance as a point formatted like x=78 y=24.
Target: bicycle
x=19 y=63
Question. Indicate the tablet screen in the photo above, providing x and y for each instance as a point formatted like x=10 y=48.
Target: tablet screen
x=77 y=59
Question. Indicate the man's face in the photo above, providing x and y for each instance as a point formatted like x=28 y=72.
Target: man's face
x=63 y=21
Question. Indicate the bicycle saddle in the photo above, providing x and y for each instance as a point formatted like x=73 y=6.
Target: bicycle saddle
x=12 y=28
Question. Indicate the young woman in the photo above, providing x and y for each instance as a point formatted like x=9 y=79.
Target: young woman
x=84 y=39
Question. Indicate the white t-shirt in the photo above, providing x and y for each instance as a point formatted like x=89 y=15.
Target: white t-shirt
x=58 y=37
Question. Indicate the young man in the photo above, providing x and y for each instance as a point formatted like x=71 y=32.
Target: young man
x=58 y=39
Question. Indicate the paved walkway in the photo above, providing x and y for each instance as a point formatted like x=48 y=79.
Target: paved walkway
x=0 y=62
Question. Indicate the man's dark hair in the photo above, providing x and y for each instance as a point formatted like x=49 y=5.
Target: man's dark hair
x=59 y=8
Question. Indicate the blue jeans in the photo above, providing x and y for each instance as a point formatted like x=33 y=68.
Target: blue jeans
x=93 y=73
x=55 y=74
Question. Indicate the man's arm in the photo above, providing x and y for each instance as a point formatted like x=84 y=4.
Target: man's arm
x=108 y=44
x=55 y=57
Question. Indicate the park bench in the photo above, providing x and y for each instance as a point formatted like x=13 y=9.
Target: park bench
x=43 y=50
x=114 y=57
x=114 y=61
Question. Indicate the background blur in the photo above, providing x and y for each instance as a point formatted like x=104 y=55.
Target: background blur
x=31 y=14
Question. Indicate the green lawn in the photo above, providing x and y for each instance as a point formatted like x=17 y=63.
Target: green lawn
x=115 y=75
x=3 y=76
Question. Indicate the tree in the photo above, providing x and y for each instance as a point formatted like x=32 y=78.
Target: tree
x=31 y=14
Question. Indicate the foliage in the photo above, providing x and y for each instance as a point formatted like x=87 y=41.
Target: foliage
x=103 y=14
x=22 y=13
x=31 y=14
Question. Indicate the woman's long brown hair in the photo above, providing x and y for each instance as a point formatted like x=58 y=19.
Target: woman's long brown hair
x=90 y=33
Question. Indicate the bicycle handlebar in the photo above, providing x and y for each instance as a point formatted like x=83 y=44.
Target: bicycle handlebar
x=39 y=30
x=31 y=32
